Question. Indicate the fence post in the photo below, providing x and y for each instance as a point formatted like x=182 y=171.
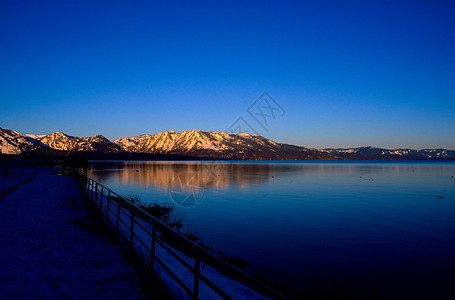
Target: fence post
x=101 y=198
x=96 y=193
x=118 y=220
x=197 y=266
x=132 y=231
x=152 y=250
x=108 y=202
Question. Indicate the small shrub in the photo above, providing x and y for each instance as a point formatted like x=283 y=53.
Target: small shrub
x=166 y=214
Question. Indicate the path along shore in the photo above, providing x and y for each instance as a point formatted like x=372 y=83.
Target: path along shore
x=53 y=245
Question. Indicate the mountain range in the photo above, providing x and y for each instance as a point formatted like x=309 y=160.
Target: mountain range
x=199 y=144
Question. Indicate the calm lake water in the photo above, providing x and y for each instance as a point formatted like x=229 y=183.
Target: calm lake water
x=356 y=229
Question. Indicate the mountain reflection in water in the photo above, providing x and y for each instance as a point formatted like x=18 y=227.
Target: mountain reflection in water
x=188 y=176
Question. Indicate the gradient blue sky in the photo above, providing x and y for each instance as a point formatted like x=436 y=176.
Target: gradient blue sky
x=347 y=73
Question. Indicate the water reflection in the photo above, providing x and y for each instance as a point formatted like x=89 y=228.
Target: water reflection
x=193 y=177
x=186 y=176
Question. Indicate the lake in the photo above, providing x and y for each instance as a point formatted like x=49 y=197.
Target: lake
x=316 y=229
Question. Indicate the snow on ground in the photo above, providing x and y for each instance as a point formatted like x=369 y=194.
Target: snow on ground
x=15 y=175
x=51 y=246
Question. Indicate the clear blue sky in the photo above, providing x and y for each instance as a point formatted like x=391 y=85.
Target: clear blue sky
x=346 y=73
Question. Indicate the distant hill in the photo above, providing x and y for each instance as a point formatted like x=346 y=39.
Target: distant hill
x=199 y=144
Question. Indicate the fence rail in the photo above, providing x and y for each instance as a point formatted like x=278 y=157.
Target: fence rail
x=150 y=239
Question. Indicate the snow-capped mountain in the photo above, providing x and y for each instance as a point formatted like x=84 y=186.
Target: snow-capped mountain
x=381 y=154
x=61 y=141
x=13 y=142
x=197 y=143
x=216 y=145
x=191 y=141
